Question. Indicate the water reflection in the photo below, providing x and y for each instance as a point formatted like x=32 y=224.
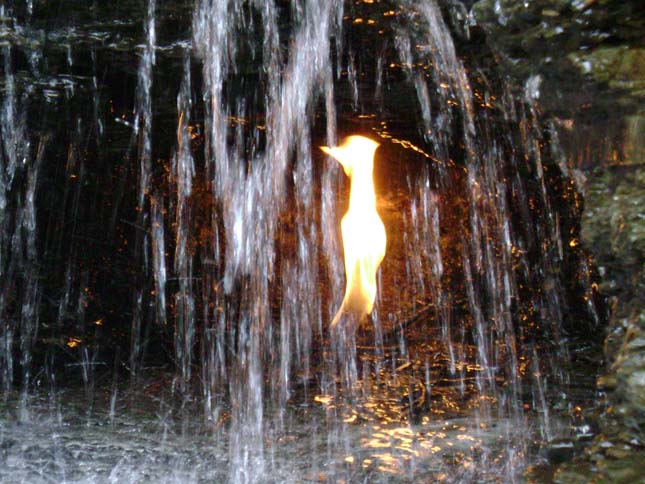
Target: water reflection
x=154 y=440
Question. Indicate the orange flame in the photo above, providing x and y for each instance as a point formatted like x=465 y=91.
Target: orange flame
x=362 y=229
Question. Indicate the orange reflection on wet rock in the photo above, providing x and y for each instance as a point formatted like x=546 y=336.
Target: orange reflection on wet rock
x=73 y=342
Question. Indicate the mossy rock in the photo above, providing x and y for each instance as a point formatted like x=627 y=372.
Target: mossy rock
x=613 y=228
x=574 y=473
x=578 y=46
x=626 y=468
x=621 y=67
x=634 y=144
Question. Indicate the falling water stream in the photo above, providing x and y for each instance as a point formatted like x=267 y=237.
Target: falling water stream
x=171 y=260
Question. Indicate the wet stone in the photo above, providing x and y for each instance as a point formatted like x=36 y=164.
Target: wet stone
x=560 y=451
x=574 y=473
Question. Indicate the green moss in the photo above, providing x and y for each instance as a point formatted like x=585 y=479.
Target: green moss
x=629 y=468
x=574 y=473
x=622 y=67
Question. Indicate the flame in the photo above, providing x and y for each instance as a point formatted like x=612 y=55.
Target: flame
x=362 y=229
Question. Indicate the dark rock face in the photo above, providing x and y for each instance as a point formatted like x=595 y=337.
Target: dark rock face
x=591 y=56
x=614 y=228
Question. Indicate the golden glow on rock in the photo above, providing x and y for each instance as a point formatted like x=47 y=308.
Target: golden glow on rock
x=362 y=229
x=73 y=342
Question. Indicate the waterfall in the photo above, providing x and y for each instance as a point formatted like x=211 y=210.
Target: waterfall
x=169 y=225
x=19 y=291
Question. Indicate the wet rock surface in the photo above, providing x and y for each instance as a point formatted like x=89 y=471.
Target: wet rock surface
x=599 y=43
x=600 y=38
x=614 y=228
x=589 y=57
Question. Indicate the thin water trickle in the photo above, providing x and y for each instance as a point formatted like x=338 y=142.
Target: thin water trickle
x=171 y=246
x=19 y=170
